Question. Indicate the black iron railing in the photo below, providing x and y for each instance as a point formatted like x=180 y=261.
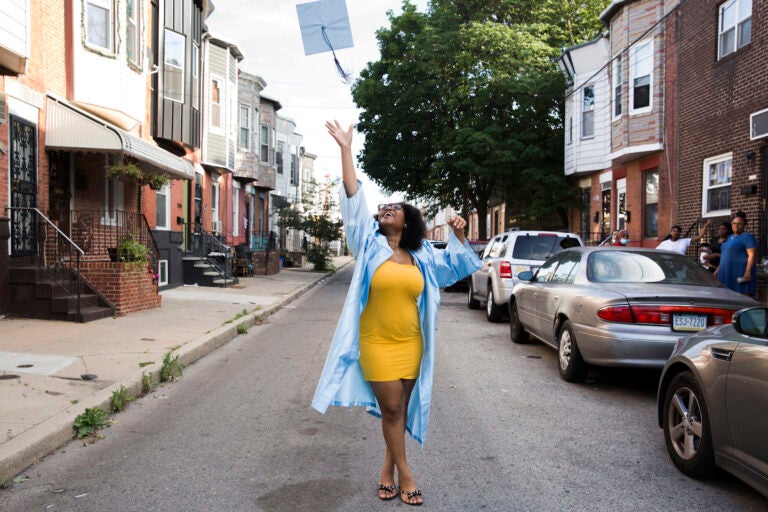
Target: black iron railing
x=211 y=248
x=52 y=252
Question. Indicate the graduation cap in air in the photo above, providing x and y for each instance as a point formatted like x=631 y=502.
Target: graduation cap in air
x=325 y=28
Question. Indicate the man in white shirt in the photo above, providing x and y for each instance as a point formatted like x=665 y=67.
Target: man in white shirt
x=680 y=245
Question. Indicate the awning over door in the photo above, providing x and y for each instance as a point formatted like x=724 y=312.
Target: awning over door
x=71 y=128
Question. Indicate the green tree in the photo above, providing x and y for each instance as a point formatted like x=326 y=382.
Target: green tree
x=315 y=217
x=465 y=104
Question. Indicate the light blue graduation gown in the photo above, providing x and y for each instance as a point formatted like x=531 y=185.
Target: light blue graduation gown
x=342 y=382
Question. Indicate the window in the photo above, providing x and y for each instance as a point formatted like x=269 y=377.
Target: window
x=734 y=26
x=113 y=201
x=264 y=144
x=162 y=271
x=99 y=23
x=642 y=76
x=173 y=69
x=195 y=65
x=133 y=32
x=588 y=112
x=294 y=169
x=235 y=208
x=716 y=191
x=279 y=158
x=163 y=207
x=570 y=130
x=216 y=102
x=215 y=205
x=651 y=204
x=617 y=72
x=564 y=273
x=245 y=127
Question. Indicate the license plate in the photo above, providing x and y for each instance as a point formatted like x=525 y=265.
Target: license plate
x=689 y=322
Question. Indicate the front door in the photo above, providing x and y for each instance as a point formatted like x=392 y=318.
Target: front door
x=23 y=163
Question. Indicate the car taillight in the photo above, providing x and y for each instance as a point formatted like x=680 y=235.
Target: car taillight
x=661 y=315
x=505 y=270
x=621 y=314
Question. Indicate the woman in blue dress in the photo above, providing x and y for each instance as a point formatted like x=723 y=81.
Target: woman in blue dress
x=738 y=256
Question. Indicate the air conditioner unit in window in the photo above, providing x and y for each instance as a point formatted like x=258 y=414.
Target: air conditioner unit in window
x=216 y=226
x=758 y=125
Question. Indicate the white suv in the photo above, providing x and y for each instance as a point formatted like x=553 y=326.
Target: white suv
x=505 y=256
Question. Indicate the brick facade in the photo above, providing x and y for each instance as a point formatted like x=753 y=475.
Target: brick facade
x=129 y=286
x=716 y=98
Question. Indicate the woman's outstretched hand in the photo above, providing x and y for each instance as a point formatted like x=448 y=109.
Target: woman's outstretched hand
x=342 y=137
x=457 y=224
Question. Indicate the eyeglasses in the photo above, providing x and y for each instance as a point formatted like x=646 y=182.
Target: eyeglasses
x=391 y=206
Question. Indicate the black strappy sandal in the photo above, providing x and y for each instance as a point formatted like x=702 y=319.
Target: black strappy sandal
x=411 y=494
x=387 y=488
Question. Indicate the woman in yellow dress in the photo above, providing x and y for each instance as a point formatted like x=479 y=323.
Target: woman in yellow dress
x=392 y=307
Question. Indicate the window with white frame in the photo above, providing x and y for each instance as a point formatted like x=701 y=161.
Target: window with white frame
x=642 y=76
x=163 y=207
x=616 y=78
x=113 y=201
x=162 y=272
x=588 y=112
x=274 y=146
x=100 y=23
x=716 y=192
x=264 y=155
x=216 y=124
x=734 y=26
x=133 y=32
x=173 y=67
x=215 y=206
x=245 y=127
x=651 y=204
x=195 y=65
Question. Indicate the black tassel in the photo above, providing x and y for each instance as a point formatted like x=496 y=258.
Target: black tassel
x=344 y=74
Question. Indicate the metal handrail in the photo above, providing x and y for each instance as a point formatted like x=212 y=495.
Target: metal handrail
x=47 y=220
x=209 y=244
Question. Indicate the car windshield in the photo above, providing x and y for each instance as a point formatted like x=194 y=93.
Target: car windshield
x=615 y=266
x=541 y=247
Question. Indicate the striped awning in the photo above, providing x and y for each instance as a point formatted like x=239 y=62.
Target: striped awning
x=69 y=127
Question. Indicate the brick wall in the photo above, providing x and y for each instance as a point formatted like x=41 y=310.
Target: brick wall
x=716 y=98
x=262 y=266
x=129 y=286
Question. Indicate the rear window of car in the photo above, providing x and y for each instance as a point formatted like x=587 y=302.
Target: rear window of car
x=541 y=247
x=646 y=267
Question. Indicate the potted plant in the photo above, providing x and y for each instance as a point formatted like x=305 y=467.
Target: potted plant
x=131 y=249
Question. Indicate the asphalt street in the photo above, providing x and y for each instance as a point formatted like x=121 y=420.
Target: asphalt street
x=237 y=433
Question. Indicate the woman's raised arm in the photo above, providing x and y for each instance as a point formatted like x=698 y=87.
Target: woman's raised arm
x=344 y=139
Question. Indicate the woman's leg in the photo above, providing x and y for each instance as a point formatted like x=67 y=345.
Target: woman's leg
x=393 y=397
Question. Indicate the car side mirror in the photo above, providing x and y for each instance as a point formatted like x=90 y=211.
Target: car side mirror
x=526 y=275
x=751 y=321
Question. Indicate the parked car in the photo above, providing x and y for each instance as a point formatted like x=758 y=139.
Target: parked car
x=615 y=306
x=713 y=400
x=504 y=257
x=463 y=284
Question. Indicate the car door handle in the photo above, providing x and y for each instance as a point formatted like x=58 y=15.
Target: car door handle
x=722 y=354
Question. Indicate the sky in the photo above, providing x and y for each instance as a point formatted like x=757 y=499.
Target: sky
x=309 y=88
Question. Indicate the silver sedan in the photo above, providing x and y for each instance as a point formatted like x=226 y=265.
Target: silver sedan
x=616 y=306
x=713 y=400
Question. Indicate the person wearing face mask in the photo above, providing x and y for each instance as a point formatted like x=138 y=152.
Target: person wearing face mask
x=623 y=239
x=737 y=258
x=382 y=354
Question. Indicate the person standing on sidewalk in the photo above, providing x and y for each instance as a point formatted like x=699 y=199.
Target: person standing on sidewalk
x=382 y=354
x=738 y=257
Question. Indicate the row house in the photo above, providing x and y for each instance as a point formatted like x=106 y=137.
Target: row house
x=619 y=142
x=286 y=193
x=666 y=121
x=132 y=157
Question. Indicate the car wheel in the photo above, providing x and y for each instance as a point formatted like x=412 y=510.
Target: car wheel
x=493 y=312
x=569 y=361
x=516 y=331
x=686 y=427
x=472 y=302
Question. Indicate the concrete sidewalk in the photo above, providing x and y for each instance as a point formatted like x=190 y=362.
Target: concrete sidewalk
x=41 y=362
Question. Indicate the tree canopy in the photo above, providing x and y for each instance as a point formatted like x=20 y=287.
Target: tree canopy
x=465 y=104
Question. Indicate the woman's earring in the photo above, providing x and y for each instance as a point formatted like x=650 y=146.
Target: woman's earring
x=405 y=225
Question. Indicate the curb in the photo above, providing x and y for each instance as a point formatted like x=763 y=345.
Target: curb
x=25 y=450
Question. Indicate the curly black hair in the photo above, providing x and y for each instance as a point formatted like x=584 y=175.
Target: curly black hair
x=415 y=229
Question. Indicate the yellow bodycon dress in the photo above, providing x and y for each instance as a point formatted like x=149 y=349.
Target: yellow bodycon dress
x=390 y=331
